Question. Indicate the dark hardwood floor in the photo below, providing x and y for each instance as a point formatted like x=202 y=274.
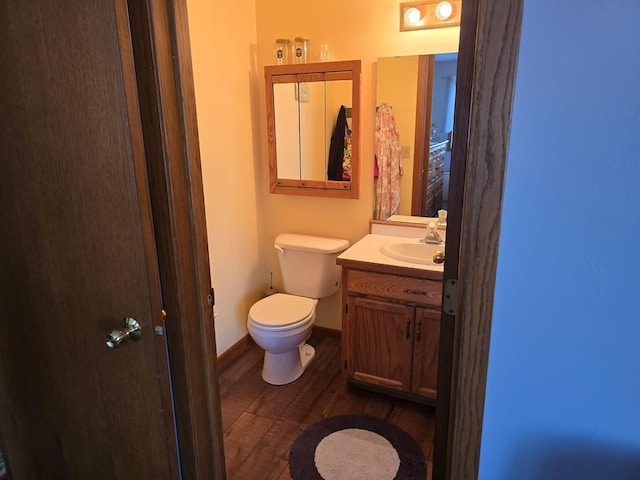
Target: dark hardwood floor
x=261 y=421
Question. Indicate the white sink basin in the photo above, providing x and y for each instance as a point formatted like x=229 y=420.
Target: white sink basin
x=413 y=252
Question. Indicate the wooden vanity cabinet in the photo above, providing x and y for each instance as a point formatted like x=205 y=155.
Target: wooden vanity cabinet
x=380 y=343
x=424 y=380
x=390 y=333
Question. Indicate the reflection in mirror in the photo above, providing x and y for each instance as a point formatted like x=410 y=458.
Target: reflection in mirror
x=313 y=151
x=338 y=127
x=287 y=132
x=313 y=128
x=421 y=92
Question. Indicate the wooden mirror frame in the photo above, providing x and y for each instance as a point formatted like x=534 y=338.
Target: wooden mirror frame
x=344 y=70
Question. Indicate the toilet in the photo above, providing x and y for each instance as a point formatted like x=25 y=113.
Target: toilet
x=282 y=323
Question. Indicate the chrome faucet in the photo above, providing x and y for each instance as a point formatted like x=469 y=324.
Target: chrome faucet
x=432 y=235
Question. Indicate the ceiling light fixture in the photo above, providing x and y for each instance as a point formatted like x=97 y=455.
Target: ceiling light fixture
x=430 y=14
x=412 y=16
x=444 y=10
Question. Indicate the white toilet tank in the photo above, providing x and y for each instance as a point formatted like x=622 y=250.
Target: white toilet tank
x=308 y=264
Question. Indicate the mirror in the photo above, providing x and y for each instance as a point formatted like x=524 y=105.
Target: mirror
x=420 y=91
x=313 y=128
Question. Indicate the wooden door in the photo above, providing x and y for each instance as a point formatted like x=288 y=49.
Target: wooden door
x=78 y=252
x=380 y=343
x=425 y=352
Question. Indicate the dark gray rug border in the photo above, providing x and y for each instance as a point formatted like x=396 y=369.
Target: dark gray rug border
x=302 y=466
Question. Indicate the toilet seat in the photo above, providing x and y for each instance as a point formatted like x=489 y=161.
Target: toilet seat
x=282 y=312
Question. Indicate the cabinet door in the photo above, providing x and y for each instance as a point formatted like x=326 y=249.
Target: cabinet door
x=380 y=343
x=425 y=352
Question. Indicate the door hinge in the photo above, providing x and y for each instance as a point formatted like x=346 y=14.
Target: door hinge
x=346 y=308
x=345 y=364
x=450 y=296
x=211 y=298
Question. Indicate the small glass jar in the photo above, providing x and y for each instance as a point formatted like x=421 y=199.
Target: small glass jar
x=300 y=47
x=282 y=51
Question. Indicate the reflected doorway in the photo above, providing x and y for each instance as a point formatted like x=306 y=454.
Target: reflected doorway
x=435 y=101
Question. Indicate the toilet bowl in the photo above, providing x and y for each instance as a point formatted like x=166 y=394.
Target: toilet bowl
x=281 y=324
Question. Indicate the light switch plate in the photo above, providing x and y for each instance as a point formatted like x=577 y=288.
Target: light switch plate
x=303 y=92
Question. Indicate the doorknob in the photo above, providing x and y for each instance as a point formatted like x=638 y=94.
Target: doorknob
x=131 y=329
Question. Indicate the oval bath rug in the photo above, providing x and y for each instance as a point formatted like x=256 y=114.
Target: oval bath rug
x=356 y=447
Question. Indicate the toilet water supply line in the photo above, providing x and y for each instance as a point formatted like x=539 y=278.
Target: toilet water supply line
x=270 y=290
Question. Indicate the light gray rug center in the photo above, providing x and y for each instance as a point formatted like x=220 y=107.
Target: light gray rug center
x=356 y=454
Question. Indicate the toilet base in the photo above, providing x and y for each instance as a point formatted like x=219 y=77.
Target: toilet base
x=283 y=368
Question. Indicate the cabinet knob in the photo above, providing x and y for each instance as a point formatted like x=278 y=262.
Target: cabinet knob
x=438 y=257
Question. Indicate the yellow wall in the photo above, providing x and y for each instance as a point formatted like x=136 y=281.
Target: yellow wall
x=227 y=82
x=358 y=29
x=231 y=42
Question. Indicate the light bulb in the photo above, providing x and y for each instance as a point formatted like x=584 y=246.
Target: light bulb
x=444 y=10
x=412 y=16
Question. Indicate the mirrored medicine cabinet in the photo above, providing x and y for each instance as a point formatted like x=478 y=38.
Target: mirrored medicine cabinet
x=313 y=128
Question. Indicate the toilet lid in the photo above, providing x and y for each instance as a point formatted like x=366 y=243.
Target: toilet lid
x=281 y=310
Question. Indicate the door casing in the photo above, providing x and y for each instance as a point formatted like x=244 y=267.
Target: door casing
x=160 y=36
x=487 y=60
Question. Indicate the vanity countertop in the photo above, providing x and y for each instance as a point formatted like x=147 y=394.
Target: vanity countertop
x=365 y=254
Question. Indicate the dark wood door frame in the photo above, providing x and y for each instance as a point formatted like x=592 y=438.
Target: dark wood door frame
x=487 y=59
x=160 y=37
x=490 y=33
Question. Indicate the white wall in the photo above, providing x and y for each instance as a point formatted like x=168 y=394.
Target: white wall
x=563 y=393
